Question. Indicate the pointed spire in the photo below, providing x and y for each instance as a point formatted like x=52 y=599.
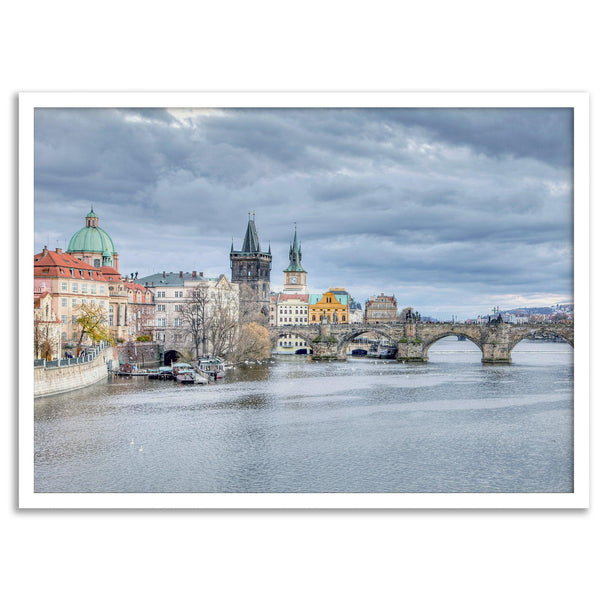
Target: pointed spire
x=251 y=243
x=295 y=253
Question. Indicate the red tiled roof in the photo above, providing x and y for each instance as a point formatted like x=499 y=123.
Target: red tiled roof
x=303 y=297
x=49 y=263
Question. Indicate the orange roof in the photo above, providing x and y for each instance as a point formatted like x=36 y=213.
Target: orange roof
x=49 y=263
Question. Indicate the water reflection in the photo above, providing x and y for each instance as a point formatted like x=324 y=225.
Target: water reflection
x=291 y=425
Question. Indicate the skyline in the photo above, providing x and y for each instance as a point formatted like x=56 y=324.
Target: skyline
x=453 y=211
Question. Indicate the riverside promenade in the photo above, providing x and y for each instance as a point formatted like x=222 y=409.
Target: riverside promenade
x=64 y=375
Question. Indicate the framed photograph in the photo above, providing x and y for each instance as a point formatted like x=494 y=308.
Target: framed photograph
x=312 y=300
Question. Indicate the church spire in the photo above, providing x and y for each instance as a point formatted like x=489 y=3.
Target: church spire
x=295 y=254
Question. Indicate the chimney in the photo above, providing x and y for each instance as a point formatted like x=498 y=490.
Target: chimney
x=59 y=251
x=164 y=273
x=181 y=274
x=201 y=273
x=45 y=251
x=194 y=274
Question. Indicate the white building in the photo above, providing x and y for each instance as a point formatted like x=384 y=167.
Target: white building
x=172 y=290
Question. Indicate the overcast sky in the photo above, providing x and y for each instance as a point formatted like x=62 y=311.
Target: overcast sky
x=452 y=210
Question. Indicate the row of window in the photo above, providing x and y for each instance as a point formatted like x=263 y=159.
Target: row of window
x=65 y=302
x=284 y=311
x=64 y=286
x=163 y=294
x=163 y=322
x=286 y=344
x=295 y=319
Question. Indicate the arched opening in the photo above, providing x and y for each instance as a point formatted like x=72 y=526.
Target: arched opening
x=450 y=347
x=288 y=343
x=172 y=356
x=549 y=350
x=369 y=343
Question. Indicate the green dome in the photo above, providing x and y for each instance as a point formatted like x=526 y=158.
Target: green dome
x=91 y=214
x=91 y=239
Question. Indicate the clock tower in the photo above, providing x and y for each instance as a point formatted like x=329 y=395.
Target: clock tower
x=294 y=277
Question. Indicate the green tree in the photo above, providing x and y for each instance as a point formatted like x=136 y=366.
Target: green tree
x=92 y=323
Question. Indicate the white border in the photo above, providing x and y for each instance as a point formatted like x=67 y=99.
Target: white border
x=579 y=101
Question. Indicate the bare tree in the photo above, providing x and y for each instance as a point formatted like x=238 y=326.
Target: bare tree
x=196 y=317
x=223 y=325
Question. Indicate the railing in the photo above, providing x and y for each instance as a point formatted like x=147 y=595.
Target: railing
x=89 y=356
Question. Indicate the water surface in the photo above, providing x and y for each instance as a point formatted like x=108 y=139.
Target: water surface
x=291 y=425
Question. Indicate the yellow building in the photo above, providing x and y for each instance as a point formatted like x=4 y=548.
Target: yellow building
x=327 y=305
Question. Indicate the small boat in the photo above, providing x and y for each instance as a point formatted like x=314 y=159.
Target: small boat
x=163 y=373
x=184 y=373
x=212 y=368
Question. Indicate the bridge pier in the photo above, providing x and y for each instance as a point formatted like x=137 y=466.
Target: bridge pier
x=495 y=345
x=411 y=350
x=326 y=345
x=496 y=354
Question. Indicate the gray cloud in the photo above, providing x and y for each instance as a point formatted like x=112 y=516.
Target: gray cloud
x=450 y=209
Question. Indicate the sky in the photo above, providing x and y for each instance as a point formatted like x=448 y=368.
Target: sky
x=453 y=211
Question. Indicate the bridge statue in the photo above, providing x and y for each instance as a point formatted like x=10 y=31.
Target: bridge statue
x=495 y=339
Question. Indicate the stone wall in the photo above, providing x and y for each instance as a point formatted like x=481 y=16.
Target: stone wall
x=55 y=380
x=145 y=354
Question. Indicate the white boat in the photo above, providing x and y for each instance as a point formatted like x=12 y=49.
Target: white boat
x=213 y=368
x=184 y=373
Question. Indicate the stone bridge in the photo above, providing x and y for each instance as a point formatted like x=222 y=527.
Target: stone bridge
x=495 y=340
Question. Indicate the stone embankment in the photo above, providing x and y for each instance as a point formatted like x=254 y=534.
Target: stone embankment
x=65 y=375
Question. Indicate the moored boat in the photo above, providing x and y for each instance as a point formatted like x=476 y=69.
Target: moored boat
x=212 y=368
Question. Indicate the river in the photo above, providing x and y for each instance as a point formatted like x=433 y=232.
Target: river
x=292 y=425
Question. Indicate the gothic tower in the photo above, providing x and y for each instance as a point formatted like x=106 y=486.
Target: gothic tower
x=294 y=277
x=252 y=267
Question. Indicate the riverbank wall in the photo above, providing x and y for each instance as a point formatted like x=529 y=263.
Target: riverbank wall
x=145 y=354
x=57 y=377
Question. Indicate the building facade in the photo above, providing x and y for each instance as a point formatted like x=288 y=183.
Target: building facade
x=71 y=283
x=172 y=291
x=251 y=268
x=329 y=307
x=381 y=309
x=47 y=328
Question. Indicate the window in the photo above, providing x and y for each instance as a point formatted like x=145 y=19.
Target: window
x=97 y=263
x=102 y=289
x=74 y=302
x=63 y=318
x=93 y=289
x=178 y=294
x=102 y=303
x=64 y=286
x=74 y=287
x=178 y=307
x=74 y=319
x=178 y=323
x=161 y=322
x=160 y=307
x=64 y=302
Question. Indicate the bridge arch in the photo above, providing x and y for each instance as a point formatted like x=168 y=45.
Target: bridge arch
x=349 y=337
x=277 y=334
x=430 y=340
x=558 y=331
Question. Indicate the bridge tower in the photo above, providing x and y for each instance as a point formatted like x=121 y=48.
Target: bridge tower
x=251 y=266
